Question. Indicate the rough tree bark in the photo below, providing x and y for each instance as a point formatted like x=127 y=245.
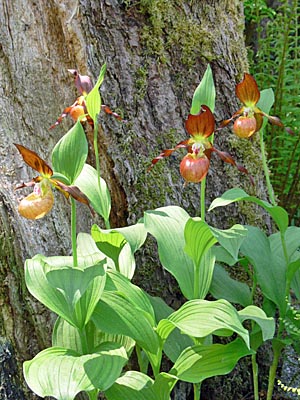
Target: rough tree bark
x=156 y=52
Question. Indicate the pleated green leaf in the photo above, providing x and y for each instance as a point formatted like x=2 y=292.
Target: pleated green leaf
x=167 y=224
x=70 y=292
x=62 y=373
x=99 y=197
x=93 y=99
x=119 y=283
x=200 y=318
x=134 y=385
x=120 y=244
x=279 y=215
x=70 y=153
x=270 y=270
x=200 y=362
x=266 y=324
x=205 y=94
x=176 y=342
x=116 y=314
x=231 y=239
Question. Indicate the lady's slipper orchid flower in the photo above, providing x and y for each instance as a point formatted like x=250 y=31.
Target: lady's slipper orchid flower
x=249 y=118
x=40 y=201
x=194 y=166
x=78 y=109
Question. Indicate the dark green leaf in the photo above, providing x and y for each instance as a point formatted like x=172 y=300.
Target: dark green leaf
x=224 y=287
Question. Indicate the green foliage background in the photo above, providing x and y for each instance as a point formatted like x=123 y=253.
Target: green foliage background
x=272 y=36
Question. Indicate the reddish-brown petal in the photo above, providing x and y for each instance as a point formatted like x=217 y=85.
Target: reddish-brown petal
x=247 y=91
x=227 y=121
x=61 y=117
x=168 y=152
x=259 y=121
x=34 y=161
x=202 y=124
x=226 y=157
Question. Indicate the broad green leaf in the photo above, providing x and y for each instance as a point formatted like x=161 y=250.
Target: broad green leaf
x=292 y=243
x=134 y=385
x=99 y=197
x=266 y=102
x=176 y=342
x=278 y=214
x=200 y=318
x=224 y=287
x=87 y=246
x=114 y=245
x=167 y=224
x=231 y=239
x=62 y=373
x=270 y=271
x=104 y=370
x=117 y=282
x=200 y=362
x=135 y=235
x=295 y=284
x=93 y=99
x=109 y=243
x=223 y=256
x=199 y=239
x=117 y=315
x=266 y=324
x=67 y=336
x=70 y=292
x=205 y=93
x=70 y=153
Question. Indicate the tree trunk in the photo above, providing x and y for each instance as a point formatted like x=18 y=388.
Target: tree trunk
x=156 y=52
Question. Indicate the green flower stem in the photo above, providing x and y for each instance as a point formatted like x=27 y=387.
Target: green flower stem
x=84 y=341
x=197 y=390
x=93 y=395
x=196 y=281
x=277 y=347
x=202 y=199
x=266 y=169
x=107 y=224
x=255 y=376
x=73 y=232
